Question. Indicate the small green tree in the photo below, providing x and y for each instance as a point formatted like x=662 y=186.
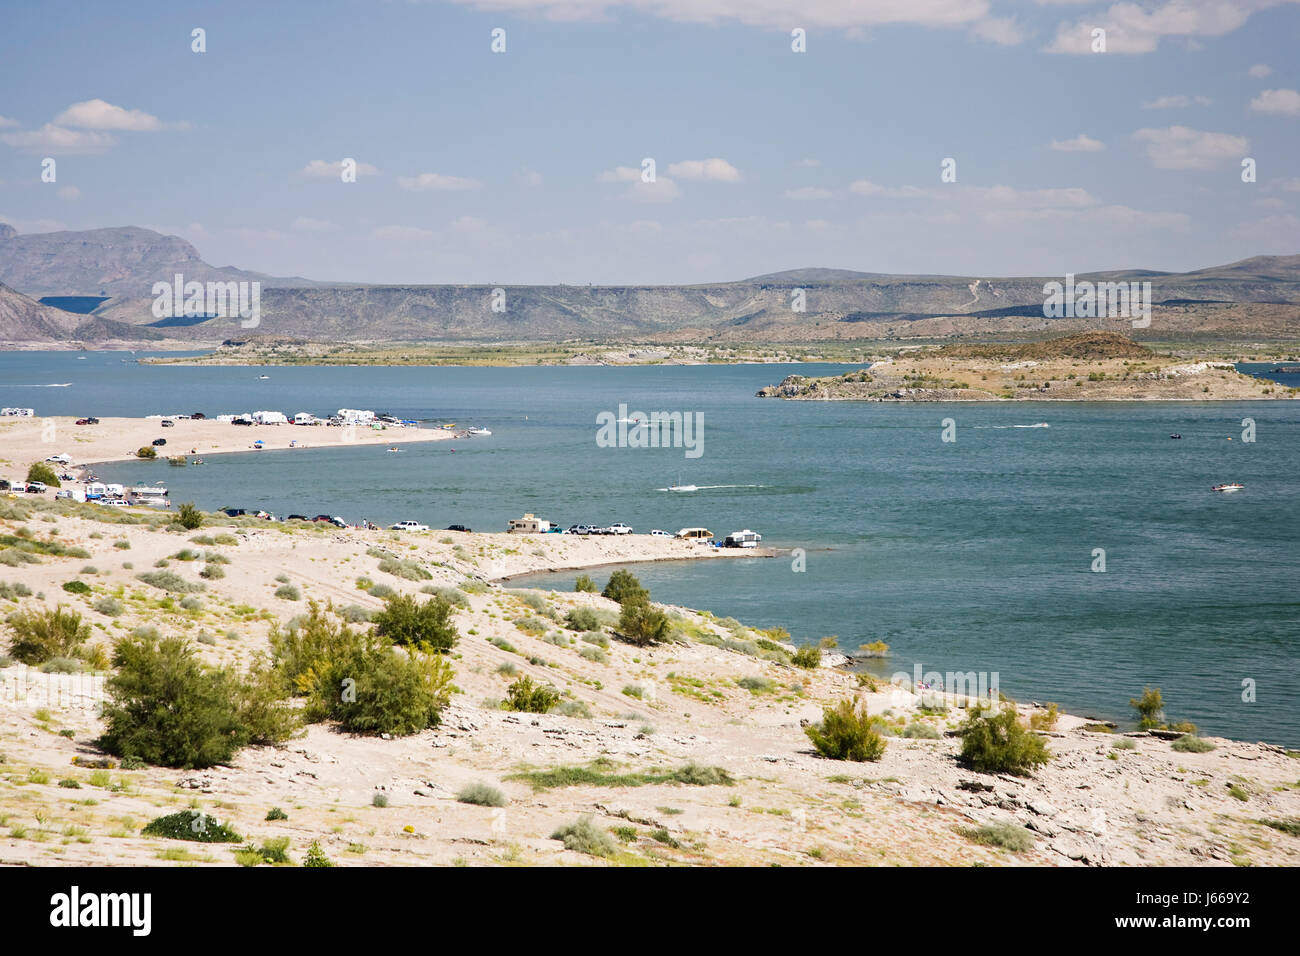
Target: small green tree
x=147 y=451
x=1150 y=707
x=999 y=743
x=42 y=635
x=641 y=623
x=624 y=587
x=375 y=688
x=582 y=619
x=524 y=695
x=807 y=657
x=428 y=626
x=846 y=733
x=42 y=472
x=190 y=517
x=584 y=583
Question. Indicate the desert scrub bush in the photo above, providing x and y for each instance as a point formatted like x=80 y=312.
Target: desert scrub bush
x=42 y=635
x=354 y=614
x=502 y=644
x=371 y=687
x=170 y=581
x=594 y=654
x=847 y=734
x=61 y=665
x=807 y=657
x=13 y=591
x=584 y=584
x=427 y=626
x=109 y=606
x=190 y=825
x=316 y=856
x=381 y=591
x=76 y=587
x=42 y=472
x=288 y=592
x=999 y=743
x=225 y=539
x=147 y=452
x=533 y=626
x=189 y=516
x=1124 y=744
x=1044 y=719
x=167 y=708
x=582 y=619
x=191 y=603
x=634 y=690
x=573 y=708
x=453 y=596
x=508 y=669
x=1150 y=707
x=557 y=639
x=122 y=544
x=482 y=795
x=642 y=624
x=757 y=685
x=583 y=836
x=919 y=730
x=623 y=587
x=212 y=572
x=1191 y=744
x=405 y=569
x=379 y=800
x=1008 y=836
x=523 y=695
x=596 y=637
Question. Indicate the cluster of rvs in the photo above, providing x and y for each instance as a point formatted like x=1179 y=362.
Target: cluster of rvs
x=531 y=524
x=344 y=416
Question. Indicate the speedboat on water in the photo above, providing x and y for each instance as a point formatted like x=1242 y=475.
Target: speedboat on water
x=1230 y=486
x=1175 y=436
x=478 y=431
x=683 y=487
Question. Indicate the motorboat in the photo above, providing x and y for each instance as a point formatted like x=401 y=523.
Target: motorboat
x=1230 y=486
x=478 y=431
x=683 y=487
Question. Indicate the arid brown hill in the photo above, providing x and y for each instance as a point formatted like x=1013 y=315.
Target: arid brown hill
x=1085 y=345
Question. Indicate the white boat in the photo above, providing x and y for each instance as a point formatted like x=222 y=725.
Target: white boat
x=683 y=487
x=149 y=491
x=1230 y=486
x=477 y=431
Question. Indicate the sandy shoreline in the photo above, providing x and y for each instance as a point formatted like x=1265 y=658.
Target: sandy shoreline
x=24 y=440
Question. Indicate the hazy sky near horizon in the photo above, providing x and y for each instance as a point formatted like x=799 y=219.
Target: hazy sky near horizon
x=525 y=166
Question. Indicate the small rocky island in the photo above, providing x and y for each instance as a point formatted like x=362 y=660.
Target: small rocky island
x=1088 y=367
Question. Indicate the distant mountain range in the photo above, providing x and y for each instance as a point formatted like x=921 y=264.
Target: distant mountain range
x=76 y=270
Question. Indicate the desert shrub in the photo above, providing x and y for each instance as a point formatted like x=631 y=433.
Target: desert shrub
x=404 y=569
x=170 y=581
x=1044 y=719
x=379 y=800
x=573 y=708
x=147 y=452
x=453 y=596
x=508 y=669
x=807 y=657
x=355 y=614
x=190 y=825
x=482 y=795
x=502 y=644
x=225 y=539
x=533 y=626
x=1191 y=744
x=168 y=708
x=189 y=516
x=641 y=623
x=316 y=856
x=61 y=665
x=42 y=472
x=999 y=743
x=288 y=592
x=1150 y=707
x=558 y=639
x=846 y=734
x=596 y=637
x=874 y=649
x=757 y=685
x=371 y=687
x=594 y=654
x=76 y=587
x=212 y=572
x=381 y=591
x=13 y=591
x=623 y=587
x=583 y=836
x=584 y=584
x=108 y=606
x=191 y=603
x=1008 y=836
x=582 y=619
x=919 y=730
x=524 y=695
x=122 y=544
x=428 y=626
x=41 y=635
x=697 y=775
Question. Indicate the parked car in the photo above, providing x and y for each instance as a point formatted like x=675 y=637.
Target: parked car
x=160 y=442
x=36 y=487
x=297 y=518
x=457 y=527
x=241 y=421
x=233 y=512
x=580 y=529
x=618 y=528
x=656 y=533
x=168 y=423
x=83 y=421
x=409 y=526
x=198 y=416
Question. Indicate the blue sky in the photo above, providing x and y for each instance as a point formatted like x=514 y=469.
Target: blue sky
x=524 y=166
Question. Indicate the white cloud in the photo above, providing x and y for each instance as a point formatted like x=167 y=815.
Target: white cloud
x=1260 y=70
x=706 y=170
x=1286 y=102
x=1004 y=31
x=1138 y=28
x=620 y=174
x=307 y=224
x=1291 y=185
x=401 y=233
x=69 y=193
x=6 y=123
x=59 y=139
x=865 y=187
x=1175 y=102
x=437 y=182
x=662 y=189
x=816 y=225
x=808 y=193
x=1082 y=143
x=333 y=169
x=1178 y=147
x=97 y=114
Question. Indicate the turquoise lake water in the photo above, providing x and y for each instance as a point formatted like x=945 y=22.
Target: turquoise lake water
x=973 y=555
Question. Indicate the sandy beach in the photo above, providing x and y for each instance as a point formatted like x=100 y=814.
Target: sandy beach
x=707 y=698
x=24 y=440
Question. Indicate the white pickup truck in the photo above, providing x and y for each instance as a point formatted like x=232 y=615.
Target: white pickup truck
x=410 y=526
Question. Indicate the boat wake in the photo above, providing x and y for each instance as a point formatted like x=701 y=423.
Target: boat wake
x=680 y=488
x=51 y=385
x=1035 y=425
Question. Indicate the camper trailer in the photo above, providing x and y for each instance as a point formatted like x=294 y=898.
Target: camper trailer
x=743 y=539
x=528 y=524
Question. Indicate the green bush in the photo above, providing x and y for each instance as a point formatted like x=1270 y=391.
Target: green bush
x=623 y=587
x=1008 y=836
x=641 y=623
x=316 y=856
x=583 y=836
x=582 y=619
x=76 y=587
x=1191 y=744
x=170 y=581
x=524 y=695
x=168 y=708
x=919 y=730
x=191 y=825
x=807 y=657
x=147 y=452
x=42 y=635
x=372 y=687
x=482 y=795
x=13 y=591
x=275 y=813
x=999 y=743
x=427 y=626
x=109 y=606
x=1150 y=707
x=212 y=572
x=406 y=570
x=846 y=734
x=189 y=516
x=288 y=592
x=584 y=584
x=42 y=472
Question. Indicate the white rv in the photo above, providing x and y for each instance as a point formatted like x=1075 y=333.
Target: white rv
x=270 y=418
x=743 y=539
x=528 y=524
